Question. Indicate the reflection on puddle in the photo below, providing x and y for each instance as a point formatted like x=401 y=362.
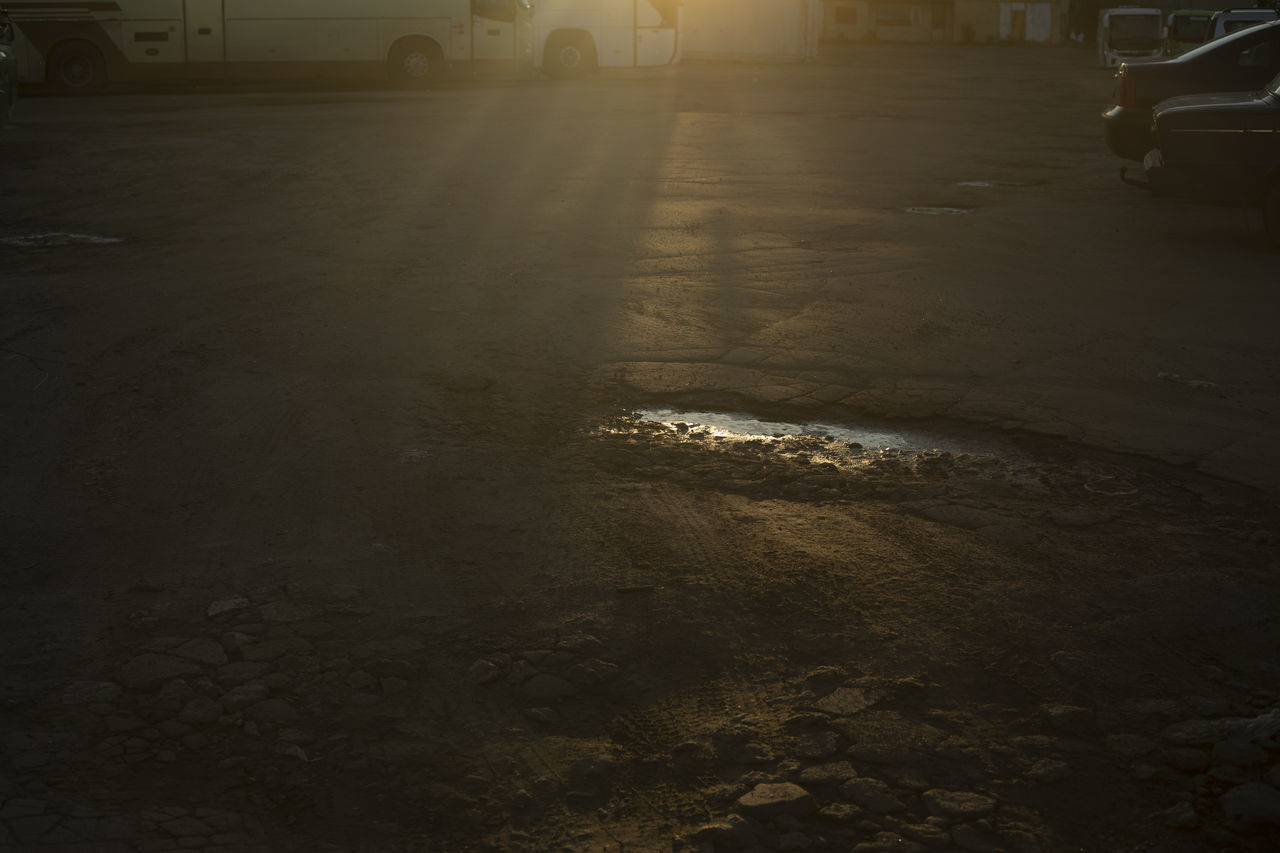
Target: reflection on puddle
x=747 y=427
x=54 y=239
x=937 y=211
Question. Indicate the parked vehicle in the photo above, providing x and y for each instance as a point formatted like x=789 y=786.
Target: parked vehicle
x=1129 y=32
x=1243 y=61
x=576 y=37
x=1186 y=29
x=8 y=69
x=1220 y=148
x=79 y=47
x=1232 y=20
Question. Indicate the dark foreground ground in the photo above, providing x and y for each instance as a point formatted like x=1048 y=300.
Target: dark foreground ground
x=324 y=525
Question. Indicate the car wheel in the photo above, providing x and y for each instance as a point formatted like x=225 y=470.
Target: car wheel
x=567 y=56
x=1271 y=212
x=77 y=69
x=415 y=63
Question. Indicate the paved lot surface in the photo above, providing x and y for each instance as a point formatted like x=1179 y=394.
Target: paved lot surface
x=323 y=525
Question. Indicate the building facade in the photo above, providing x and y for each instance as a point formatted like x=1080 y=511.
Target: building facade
x=949 y=21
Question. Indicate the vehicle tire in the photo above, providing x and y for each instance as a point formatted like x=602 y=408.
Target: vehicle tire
x=416 y=63
x=77 y=68
x=1271 y=212
x=568 y=55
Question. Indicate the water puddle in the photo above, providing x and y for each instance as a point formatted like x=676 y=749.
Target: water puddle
x=986 y=184
x=741 y=426
x=57 y=239
x=937 y=211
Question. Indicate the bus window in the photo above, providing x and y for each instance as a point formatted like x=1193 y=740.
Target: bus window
x=495 y=10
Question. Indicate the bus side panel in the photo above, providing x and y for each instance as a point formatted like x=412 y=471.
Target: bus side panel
x=271 y=41
x=617 y=41
x=346 y=41
x=149 y=42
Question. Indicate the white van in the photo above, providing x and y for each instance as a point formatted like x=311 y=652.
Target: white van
x=1230 y=20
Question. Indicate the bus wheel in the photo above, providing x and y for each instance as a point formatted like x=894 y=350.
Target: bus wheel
x=567 y=56
x=415 y=62
x=77 y=69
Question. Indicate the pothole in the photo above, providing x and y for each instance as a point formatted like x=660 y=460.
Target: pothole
x=57 y=239
x=938 y=211
x=748 y=427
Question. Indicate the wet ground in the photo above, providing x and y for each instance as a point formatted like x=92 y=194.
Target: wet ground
x=731 y=457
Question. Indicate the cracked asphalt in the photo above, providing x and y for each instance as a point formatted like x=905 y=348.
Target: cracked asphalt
x=312 y=539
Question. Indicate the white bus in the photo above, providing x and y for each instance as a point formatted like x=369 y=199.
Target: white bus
x=79 y=46
x=1126 y=33
x=574 y=37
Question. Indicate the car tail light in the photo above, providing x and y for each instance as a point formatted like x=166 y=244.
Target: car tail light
x=1126 y=92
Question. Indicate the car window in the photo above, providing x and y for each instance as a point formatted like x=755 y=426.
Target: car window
x=1259 y=56
x=1242 y=38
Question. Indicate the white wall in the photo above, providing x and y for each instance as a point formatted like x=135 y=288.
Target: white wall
x=751 y=29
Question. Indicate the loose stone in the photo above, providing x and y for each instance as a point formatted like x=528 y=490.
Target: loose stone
x=772 y=800
x=840 y=813
x=91 y=692
x=242 y=671
x=243 y=695
x=278 y=647
x=201 y=711
x=1069 y=719
x=484 y=672
x=290 y=611
x=846 y=701
x=889 y=842
x=593 y=672
x=969 y=837
x=873 y=795
x=542 y=715
x=202 y=651
x=832 y=773
x=733 y=832
x=272 y=711
x=927 y=834
x=1186 y=759
x=227 y=605
x=1179 y=816
x=960 y=805
x=1253 y=803
x=149 y=671
x=1046 y=771
x=1239 y=753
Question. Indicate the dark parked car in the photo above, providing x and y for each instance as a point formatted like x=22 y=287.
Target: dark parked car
x=8 y=69
x=1239 y=62
x=1222 y=148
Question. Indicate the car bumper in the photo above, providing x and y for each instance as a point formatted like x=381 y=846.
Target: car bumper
x=1208 y=184
x=1128 y=132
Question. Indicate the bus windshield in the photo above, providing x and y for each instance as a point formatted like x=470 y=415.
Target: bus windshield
x=1188 y=27
x=1135 y=31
